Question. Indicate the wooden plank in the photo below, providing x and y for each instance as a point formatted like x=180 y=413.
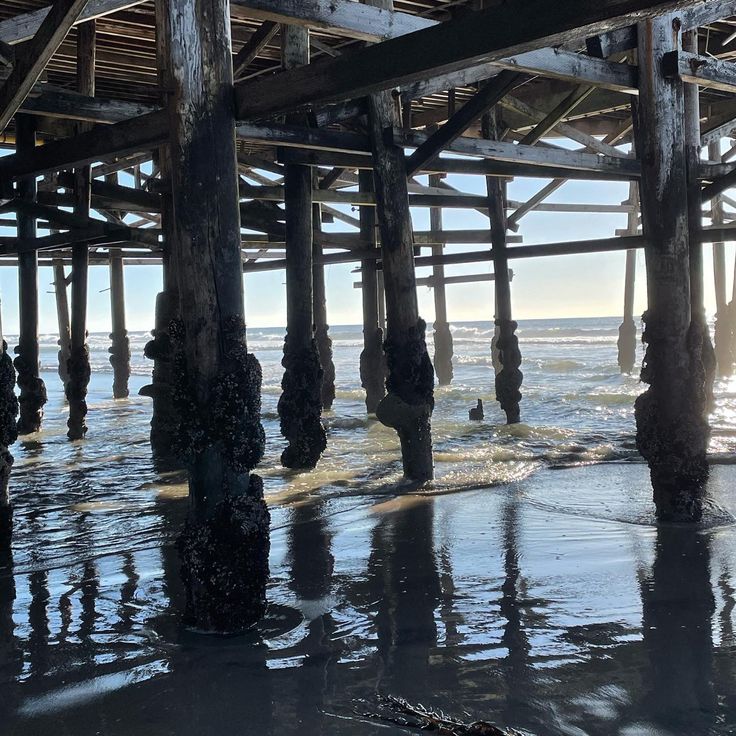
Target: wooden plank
x=255 y=44
x=103 y=141
x=58 y=103
x=485 y=98
x=502 y=151
x=571 y=67
x=704 y=71
x=23 y=27
x=302 y=137
x=32 y=61
x=341 y=17
x=484 y=36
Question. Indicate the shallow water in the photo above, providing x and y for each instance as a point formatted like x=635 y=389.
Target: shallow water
x=540 y=598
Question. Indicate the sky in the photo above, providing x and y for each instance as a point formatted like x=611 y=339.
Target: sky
x=549 y=287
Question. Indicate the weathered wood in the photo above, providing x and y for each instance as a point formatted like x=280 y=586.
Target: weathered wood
x=57 y=103
x=625 y=39
x=255 y=44
x=556 y=115
x=62 y=317
x=672 y=432
x=321 y=326
x=23 y=27
x=32 y=60
x=372 y=363
x=576 y=68
x=159 y=348
x=441 y=329
x=32 y=388
x=300 y=404
x=704 y=71
x=501 y=151
x=78 y=365
x=409 y=401
x=484 y=99
x=341 y=17
x=626 y=343
x=484 y=36
x=217 y=382
x=698 y=321
x=508 y=377
x=101 y=143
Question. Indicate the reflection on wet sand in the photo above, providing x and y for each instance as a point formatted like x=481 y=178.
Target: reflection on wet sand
x=487 y=604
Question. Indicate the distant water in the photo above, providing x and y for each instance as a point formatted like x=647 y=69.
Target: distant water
x=511 y=589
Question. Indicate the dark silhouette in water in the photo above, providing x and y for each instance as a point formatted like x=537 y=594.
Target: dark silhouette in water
x=476 y=414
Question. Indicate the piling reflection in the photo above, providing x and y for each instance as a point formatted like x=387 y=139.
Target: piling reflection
x=678 y=606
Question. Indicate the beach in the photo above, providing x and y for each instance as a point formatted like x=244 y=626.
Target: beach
x=529 y=585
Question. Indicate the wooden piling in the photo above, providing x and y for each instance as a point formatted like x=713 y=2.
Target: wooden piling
x=409 y=402
x=216 y=391
x=78 y=365
x=627 y=329
x=120 y=347
x=441 y=334
x=698 y=322
x=509 y=377
x=724 y=323
x=372 y=364
x=8 y=435
x=300 y=404
x=321 y=328
x=62 y=318
x=672 y=432
x=158 y=349
x=30 y=383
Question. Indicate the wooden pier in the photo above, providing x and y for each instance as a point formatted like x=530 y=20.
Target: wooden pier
x=242 y=127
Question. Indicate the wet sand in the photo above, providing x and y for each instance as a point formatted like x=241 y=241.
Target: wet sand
x=552 y=604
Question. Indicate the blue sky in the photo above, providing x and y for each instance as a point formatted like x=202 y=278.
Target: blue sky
x=564 y=286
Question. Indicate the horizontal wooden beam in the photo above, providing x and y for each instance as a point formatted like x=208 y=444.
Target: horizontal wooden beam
x=501 y=151
x=341 y=17
x=576 y=68
x=625 y=39
x=704 y=71
x=102 y=142
x=57 y=103
x=303 y=137
x=23 y=27
x=483 y=36
x=30 y=63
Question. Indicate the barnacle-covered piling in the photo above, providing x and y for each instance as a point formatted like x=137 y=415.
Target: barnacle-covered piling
x=216 y=383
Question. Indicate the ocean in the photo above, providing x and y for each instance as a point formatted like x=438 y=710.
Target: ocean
x=528 y=585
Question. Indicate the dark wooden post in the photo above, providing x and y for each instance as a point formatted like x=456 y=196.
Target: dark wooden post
x=408 y=404
x=321 y=328
x=627 y=328
x=724 y=326
x=441 y=335
x=120 y=347
x=216 y=391
x=672 y=432
x=78 y=365
x=509 y=377
x=8 y=435
x=32 y=388
x=62 y=317
x=300 y=405
x=372 y=363
x=158 y=349
x=698 y=323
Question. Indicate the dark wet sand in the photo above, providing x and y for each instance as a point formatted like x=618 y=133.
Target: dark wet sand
x=552 y=604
